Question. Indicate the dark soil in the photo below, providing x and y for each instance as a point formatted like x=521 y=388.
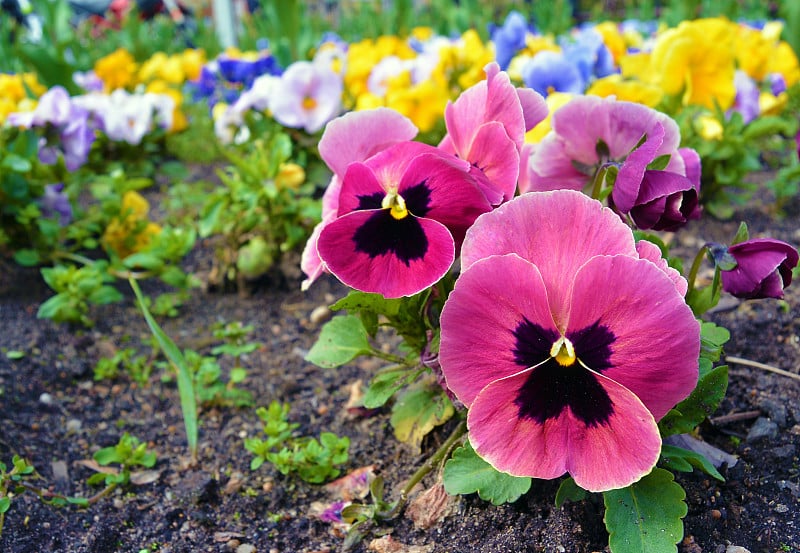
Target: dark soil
x=55 y=415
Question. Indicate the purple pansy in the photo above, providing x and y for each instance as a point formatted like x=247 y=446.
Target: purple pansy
x=762 y=267
x=401 y=216
x=486 y=126
x=554 y=338
x=307 y=96
x=747 y=95
x=68 y=131
x=658 y=200
x=55 y=204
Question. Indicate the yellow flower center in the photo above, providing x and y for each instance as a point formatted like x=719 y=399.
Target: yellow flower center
x=396 y=204
x=563 y=352
x=309 y=103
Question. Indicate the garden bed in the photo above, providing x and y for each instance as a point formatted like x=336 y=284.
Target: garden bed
x=57 y=416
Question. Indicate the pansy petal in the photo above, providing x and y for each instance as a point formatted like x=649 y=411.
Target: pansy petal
x=481 y=320
x=653 y=350
x=551 y=168
x=534 y=107
x=439 y=188
x=495 y=154
x=359 y=135
x=651 y=252
x=629 y=179
x=692 y=164
x=557 y=231
x=360 y=189
x=600 y=457
x=372 y=251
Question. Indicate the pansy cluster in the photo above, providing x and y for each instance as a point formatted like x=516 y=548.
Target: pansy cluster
x=553 y=336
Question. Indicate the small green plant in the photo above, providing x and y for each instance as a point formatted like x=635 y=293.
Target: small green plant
x=210 y=389
x=312 y=460
x=10 y=483
x=138 y=367
x=235 y=337
x=129 y=452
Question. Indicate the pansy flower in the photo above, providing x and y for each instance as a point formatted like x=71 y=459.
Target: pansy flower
x=548 y=72
x=355 y=136
x=589 y=131
x=307 y=96
x=556 y=338
x=509 y=38
x=486 y=126
x=757 y=268
x=401 y=215
x=654 y=199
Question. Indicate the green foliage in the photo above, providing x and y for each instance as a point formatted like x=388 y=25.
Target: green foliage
x=185 y=379
x=465 y=472
x=711 y=385
x=727 y=161
x=312 y=460
x=569 y=491
x=341 y=340
x=683 y=460
x=387 y=382
x=646 y=517
x=138 y=367
x=129 y=452
x=77 y=289
x=209 y=386
x=264 y=208
x=418 y=410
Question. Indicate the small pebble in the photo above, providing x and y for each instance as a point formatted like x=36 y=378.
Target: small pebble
x=73 y=426
x=319 y=315
x=46 y=399
x=762 y=428
x=781 y=508
x=736 y=549
x=716 y=514
x=246 y=548
x=233 y=544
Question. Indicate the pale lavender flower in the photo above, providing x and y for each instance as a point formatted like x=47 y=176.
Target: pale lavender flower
x=54 y=203
x=308 y=95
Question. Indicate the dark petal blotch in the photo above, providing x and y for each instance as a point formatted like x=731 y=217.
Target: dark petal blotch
x=382 y=234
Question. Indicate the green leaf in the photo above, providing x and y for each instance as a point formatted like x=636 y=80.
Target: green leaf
x=646 y=516
x=683 y=460
x=341 y=340
x=27 y=257
x=742 y=234
x=143 y=260
x=703 y=401
x=418 y=411
x=660 y=163
x=465 y=472
x=363 y=301
x=16 y=163
x=712 y=338
x=569 y=491
x=386 y=383
x=5 y=504
x=105 y=295
x=107 y=456
x=185 y=380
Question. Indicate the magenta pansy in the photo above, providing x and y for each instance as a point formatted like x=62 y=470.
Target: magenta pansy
x=554 y=338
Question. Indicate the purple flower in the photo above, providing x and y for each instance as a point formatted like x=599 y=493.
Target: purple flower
x=658 y=200
x=549 y=71
x=554 y=339
x=747 y=94
x=589 y=53
x=308 y=95
x=54 y=203
x=762 y=267
x=509 y=38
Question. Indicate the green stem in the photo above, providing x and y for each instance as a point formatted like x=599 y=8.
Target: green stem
x=698 y=261
x=389 y=357
x=599 y=180
x=432 y=462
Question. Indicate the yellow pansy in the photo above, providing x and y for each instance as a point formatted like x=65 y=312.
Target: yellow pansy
x=192 y=60
x=696 y=59
x=784 y=61
x=753 y=50
x=554 y=101
x=363 y=56
x=116 y=70
x=769 y=104
x=130 y=231
x=628 y=90
x=612 y=38
x=637 y=66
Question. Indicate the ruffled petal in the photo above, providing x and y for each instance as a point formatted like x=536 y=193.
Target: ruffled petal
x=629 y=179
x=480 y=323
x=372 y=251
x=656 y=338
x=496 y=155
x=557 y=231
x=358 y=135
x=651 y=252
x=600 y=457
x=551 y=167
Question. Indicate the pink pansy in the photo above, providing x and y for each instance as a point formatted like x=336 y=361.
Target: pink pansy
x=486 y=126
x=355 y=136
x=555 y=338
x=590 y=131
x=402 y=213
